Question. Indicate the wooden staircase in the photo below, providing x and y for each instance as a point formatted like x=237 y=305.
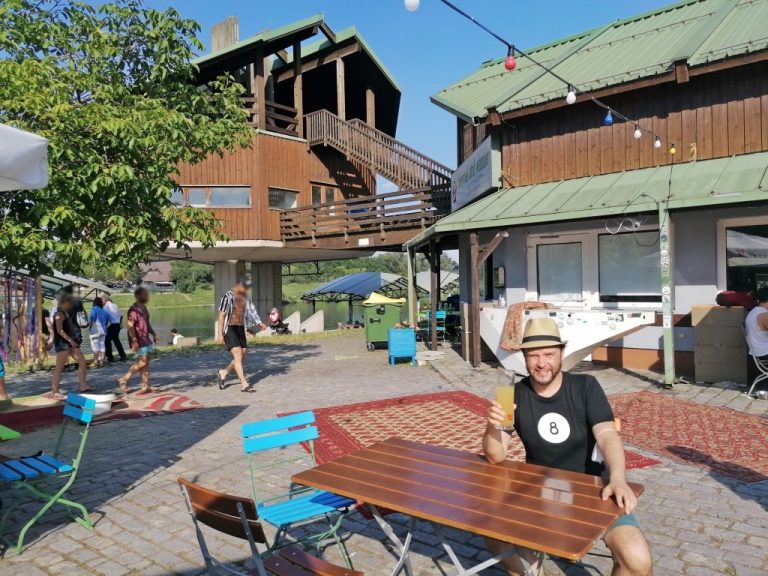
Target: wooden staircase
x=381 y=220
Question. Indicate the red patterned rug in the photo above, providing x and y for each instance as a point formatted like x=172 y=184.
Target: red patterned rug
x=32 y=412
x=450 y=419
x=722 y=440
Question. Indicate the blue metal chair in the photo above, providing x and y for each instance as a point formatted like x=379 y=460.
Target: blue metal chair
x=300 y=506
x=440 y=319
x=33 y=473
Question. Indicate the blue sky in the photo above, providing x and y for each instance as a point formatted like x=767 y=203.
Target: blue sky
x=428 y=49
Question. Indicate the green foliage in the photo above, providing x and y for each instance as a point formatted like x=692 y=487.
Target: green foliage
x=112 y=88
x=190 y=276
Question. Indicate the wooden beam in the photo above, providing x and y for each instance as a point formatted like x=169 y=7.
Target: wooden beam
x=681 y=72
x=370 y=107
x=474 y=304
x=434 y=291
x=283 y=55
x=298 y=89
x=341 y=98
x=317 y=60
x=259 y=91
x=487 y=250
x=327 y=32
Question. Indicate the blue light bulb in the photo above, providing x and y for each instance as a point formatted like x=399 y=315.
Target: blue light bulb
x=608 y=120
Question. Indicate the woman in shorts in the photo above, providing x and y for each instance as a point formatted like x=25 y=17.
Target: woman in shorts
x=65 y=344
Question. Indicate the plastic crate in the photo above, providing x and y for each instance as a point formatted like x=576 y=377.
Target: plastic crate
x=402 y=344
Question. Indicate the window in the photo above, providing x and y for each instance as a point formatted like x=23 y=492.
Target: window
x=230 y=196
x=629 y=267
x=323 y=194
x=213 y=196
x=177 y=196
x=282 y=199
x=559 y=272
x=746 y=250
x=197 y=197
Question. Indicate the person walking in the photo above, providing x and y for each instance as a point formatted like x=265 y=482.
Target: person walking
x=98 y=331
x=141 y=338
x=66 y=343
x=237 y=314
x=114 y=325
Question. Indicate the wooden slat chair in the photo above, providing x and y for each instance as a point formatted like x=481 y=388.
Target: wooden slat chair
x=238 y=517
x=31 y=475
x=300 y=506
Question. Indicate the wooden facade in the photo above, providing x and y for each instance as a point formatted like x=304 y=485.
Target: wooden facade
x=274 y=161
x=722 y=113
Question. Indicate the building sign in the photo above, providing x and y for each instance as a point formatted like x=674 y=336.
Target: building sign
x=477 y=175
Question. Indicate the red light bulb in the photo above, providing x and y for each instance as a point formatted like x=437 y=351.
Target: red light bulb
x=510 y=63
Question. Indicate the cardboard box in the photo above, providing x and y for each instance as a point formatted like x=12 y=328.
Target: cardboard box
x=720 y=336
x=705 y=315
x=719 y=372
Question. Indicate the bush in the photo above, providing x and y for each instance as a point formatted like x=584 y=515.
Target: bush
x=189 y=276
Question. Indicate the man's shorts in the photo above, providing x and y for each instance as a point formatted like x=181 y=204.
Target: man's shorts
x=145 y=350
x=2 y=368
x=98 y=343
x=624 y=520
x=235 y=337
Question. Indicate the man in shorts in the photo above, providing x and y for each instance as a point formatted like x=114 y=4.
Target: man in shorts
x=142 y=338
x=563 y=420
x=3 y=392
x=237 y=314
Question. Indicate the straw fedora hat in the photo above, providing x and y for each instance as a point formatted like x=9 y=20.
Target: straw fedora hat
x=541 y=333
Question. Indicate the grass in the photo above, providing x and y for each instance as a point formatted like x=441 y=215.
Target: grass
x=203 y=297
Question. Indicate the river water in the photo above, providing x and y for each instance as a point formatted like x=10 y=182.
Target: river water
x=198 y=320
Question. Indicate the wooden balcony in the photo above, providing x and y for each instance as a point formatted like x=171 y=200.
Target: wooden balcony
x=388 y=219
x=277 y=117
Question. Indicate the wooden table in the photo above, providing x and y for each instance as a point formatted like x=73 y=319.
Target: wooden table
x=542 y=509
x=8 y=433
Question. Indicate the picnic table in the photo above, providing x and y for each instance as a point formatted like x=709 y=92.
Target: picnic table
x=542 y=509
x=8 y=433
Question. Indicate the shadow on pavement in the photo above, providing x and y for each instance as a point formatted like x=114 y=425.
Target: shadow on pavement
x=732 y=479
x=119 y=457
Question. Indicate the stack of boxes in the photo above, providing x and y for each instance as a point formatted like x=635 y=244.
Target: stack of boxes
x=720 y=353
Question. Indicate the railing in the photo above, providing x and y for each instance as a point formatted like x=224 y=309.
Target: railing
x=416 y=208
x=277 y=117
x=401 y=164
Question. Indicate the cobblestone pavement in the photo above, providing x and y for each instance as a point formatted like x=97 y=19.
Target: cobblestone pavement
x=697 y=523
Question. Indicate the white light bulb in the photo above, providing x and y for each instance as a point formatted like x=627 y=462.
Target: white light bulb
x=411 y=5
x=657 y=143
x=571 y=97
x=638 y=134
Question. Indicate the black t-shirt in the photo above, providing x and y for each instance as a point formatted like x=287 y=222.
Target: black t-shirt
x=557 y=431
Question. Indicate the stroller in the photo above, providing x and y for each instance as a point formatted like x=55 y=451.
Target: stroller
x=277 y=324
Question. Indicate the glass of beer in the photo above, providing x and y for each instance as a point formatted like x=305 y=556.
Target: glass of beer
x=505 y=395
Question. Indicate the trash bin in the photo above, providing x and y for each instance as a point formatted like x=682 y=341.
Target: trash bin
x=380 y=314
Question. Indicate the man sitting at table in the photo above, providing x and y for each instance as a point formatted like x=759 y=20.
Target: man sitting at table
x=560 y=418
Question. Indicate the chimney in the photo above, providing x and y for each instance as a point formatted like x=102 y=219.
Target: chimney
x=224 y=34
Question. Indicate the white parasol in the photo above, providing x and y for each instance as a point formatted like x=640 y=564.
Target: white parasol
x=23 y=160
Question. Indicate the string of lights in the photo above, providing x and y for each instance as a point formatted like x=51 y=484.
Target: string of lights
x=573 y=91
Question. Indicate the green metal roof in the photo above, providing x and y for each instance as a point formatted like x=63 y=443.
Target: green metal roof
x=695 y=31
x=341 y=36
x=263 y=37
x=730 y=180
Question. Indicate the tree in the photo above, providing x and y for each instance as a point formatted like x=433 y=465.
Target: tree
x=112 y=87
x=188 y=276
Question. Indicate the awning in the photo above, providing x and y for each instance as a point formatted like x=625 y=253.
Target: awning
x=448 y=281
x=376 y=299
x=53 y=284
x=23 y=160
x=732 y=180
x=358 y=286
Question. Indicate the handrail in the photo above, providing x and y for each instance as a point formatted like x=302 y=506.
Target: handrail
x=387 y=156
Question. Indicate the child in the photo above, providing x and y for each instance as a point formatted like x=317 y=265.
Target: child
x=175 y=337
x=3 y=393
